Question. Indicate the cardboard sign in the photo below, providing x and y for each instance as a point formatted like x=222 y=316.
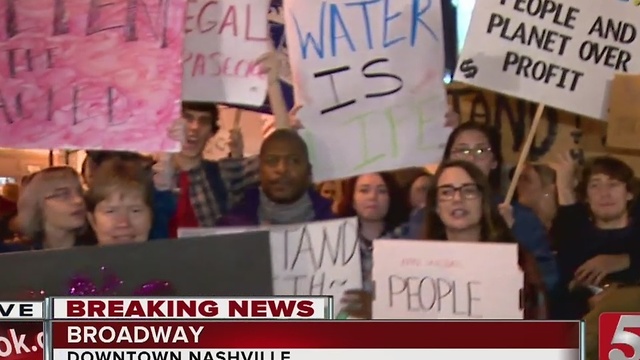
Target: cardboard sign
x=318 y=258
x=90 y=74
x=446 y=280
x=224 y=265
x=559 y=53
x=623 y=127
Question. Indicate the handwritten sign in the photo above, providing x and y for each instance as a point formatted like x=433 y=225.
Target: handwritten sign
x=223 y=41
x=370 y=78
x=90 y=74
x=318 y=258
x=446 y=280
x=559 y=53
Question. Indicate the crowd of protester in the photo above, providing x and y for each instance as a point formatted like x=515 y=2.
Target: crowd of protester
x=576 y=227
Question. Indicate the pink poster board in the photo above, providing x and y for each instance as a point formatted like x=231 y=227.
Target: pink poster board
x=90 y=74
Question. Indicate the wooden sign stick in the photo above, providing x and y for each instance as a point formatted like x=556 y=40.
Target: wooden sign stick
x=278 y=105
x=524 y=153
x=236 y=119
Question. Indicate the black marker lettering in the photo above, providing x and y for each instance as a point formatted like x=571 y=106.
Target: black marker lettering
x=330 y=73
x=381 y=75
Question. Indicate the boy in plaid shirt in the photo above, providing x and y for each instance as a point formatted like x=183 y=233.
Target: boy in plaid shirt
x=207 y=189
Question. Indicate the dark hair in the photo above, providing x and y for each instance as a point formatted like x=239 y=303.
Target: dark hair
x=493 y=137
x=286 y=135
x=493 y=226
x=419 y=172
x=610 y=166
x=398 y=211
x=97 y=157
x=207 y=107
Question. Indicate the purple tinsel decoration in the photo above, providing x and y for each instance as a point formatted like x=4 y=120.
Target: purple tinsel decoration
x=111 y=285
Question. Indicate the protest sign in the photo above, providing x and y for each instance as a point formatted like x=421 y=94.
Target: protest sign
x=92 y=75
x=318 y=258
x=446 y=280
x=370 y=79
x=623 y=122
x=226 y=265
x=275 y=19
x=222 y=43
x=562 y=54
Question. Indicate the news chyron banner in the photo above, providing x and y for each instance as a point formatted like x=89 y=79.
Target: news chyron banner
x=22 y=330
x=227 y=329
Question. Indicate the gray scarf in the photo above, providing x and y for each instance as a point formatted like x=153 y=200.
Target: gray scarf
x=273 y=213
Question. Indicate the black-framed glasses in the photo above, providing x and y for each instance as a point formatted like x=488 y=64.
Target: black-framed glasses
x=475 y=152
x=467 y=191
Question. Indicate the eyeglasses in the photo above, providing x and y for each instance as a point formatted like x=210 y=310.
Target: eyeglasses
x=64 y=194
x=467 y=192
x=475 y=152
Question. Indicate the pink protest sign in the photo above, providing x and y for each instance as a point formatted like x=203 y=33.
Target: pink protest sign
x=95 y=74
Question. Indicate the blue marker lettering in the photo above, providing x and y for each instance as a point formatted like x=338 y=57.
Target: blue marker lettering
x=416 y=20
x=336 y=20
x=308 y=38
x=365 y=15
x=387 y=19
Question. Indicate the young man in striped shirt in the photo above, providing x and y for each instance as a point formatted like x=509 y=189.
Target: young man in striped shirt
x=207 y=189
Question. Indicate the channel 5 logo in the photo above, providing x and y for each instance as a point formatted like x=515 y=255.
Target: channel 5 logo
x=619 y=336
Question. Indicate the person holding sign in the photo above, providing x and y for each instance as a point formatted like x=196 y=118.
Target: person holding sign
x=119 y=202
x=376 y=200
x=285 y=195
x=597 y=239
x=207 y=189
x=461 y=209
x=481 y=145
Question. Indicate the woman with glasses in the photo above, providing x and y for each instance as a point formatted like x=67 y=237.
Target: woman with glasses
x=480 y=145
x=461 y=209
x=51 y=210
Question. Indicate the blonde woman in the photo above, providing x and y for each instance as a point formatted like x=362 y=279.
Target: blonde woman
x=51 y=210
x=120 y=202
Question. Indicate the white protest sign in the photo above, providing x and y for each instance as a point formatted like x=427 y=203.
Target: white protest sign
x=318 y=258
x=223 y=41
x=446 y=280
x=559 y=53
x=369 y=75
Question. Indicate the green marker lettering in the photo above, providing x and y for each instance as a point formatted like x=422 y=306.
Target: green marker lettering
x=367 y=160
x=422 y=124
x=393 y=130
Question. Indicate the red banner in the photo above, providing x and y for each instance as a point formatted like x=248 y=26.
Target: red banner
x=23 y=340
x=315 y=334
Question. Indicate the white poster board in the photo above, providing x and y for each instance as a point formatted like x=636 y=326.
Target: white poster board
x=446 y=280
x=223 y=40
x=561 y=54
x=318 y=258
x=370 y=78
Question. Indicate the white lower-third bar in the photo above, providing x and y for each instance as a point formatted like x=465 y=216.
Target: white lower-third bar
x=315 y=354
